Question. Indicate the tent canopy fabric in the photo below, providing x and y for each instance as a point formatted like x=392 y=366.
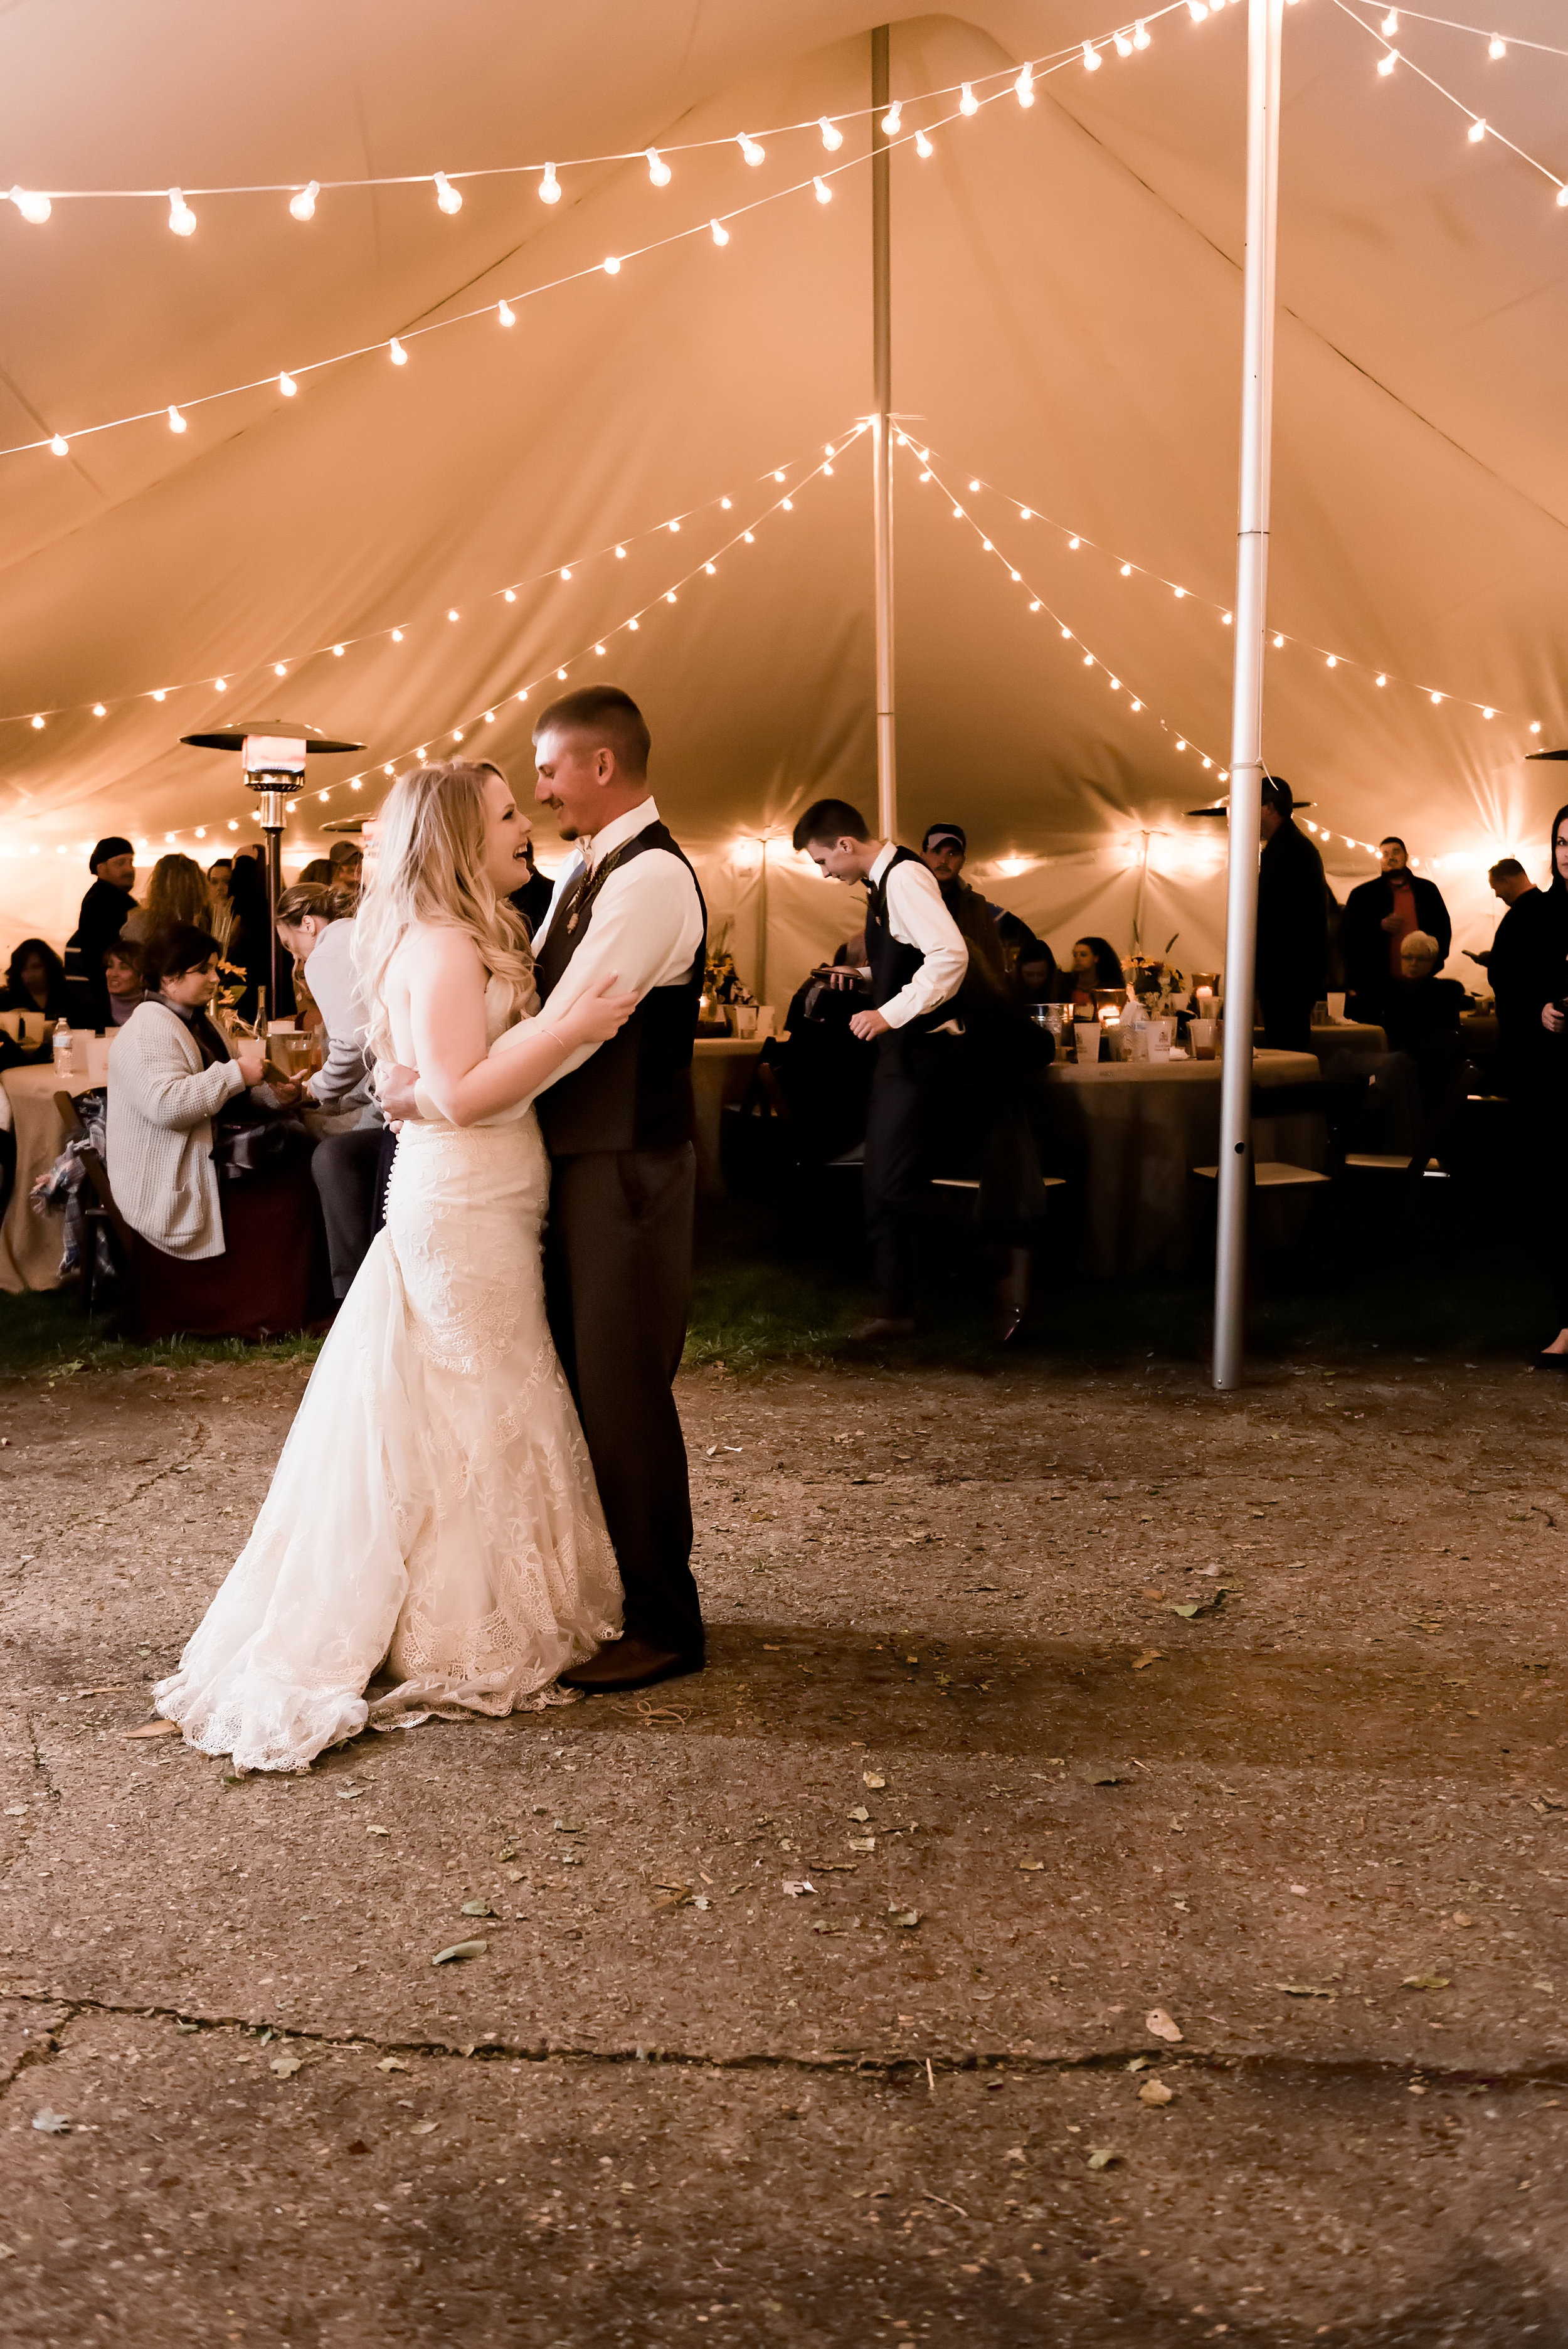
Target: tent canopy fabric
x=1067 y=304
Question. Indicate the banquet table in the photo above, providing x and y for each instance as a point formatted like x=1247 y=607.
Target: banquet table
x=1132 y=1131
x=30 y=1244
x=720 y=1072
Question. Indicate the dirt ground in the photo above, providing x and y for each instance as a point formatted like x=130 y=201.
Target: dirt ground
x=1108 y=1885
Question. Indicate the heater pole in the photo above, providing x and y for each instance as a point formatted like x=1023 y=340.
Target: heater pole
x=1265 y=20
x=881 y=435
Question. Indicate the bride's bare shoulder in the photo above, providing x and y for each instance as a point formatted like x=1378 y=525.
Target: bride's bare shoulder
x=436 y=950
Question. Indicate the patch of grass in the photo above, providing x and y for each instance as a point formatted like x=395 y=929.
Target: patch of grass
x=47 y=1334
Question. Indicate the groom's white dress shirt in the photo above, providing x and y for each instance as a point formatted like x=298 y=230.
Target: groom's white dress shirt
x=646 y=922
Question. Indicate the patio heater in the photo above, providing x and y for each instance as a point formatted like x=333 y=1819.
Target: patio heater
x=273 y=753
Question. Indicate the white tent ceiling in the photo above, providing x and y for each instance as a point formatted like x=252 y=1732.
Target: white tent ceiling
x=1066 y=318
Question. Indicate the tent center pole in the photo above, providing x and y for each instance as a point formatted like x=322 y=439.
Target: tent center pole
x=881 y=434
x=1265 y=22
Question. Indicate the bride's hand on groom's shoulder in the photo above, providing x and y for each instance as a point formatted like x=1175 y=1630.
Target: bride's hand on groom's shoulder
x=395 y=1091
x=598 y=1013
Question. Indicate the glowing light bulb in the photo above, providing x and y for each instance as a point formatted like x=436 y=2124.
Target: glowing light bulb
x=566 y=570
x=1137 y=705
x=832 y=137
x=1333 y=660
x=620 y=554
x=1497 y=46
x=1476 y=132
x=1489 y=713
x=176 y=421
x=612 y=265
x=337 y=651
x=1386 y=65
x=457 y=733
x=1279 y=644
x=181 y=219
x=710 y=569
x=38 y=725
x=750 y=149
x=1391 y=22
x=323 y=795
x=1123 y=46
x=1035 y=604
x=727 y=503
x=387 y=769
x=560 y=673
x=1090 y=57
x=750 y=538
x=399 y=357
x=974 y=486
x=789 y=505
x=1088 y=660
x=396 y=635
x=1140 y=35
x=1207 y=764
x=99 y=710
x=490 y=717
x=220 y=684
x=1015 y=577
x=674 y=527
x=1436 y=699
x=1126 y=570
x=1116 y=685
x=549 y=186
x=1075 y=543
x=233 y=824
x=892 y=119
x=958 y=513
x=1025 y=514
x=287 y=385
x=778 y=473
x=452 y=614
x=1535 y=725
x=1024 y=88
x=303 y=205
x=1382 y=680
x=658 y=170
x=59 y=444
x=510 y=594
x=160 y=693
x=200 y=832
x=669 y=595
x=32 y=207
x=1181 y=745
x=506 y=313
x=968 y=103
x=280 y=669
x=1066 y=636
x=1562 y=198
x=720 y=235
x=1197 y=10
x=1179 y=592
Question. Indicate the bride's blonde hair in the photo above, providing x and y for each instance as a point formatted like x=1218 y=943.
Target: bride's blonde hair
x=427 y=865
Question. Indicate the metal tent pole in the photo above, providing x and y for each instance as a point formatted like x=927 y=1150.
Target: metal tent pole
x=882 y=443
x=1265 y=20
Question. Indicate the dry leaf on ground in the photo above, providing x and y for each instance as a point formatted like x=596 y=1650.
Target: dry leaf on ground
x=51 y=2124
x=1102 y=2158
x=1155 y=2091
x=285 y=2066
x=1140 y=1663
x=1162 y=2025
x=459 y=1950
x=153 y=1729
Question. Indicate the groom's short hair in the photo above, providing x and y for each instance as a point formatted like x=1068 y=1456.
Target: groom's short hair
x=830 y=820
x=610 y=715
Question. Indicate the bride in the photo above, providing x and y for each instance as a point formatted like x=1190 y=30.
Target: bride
x=433 y=1512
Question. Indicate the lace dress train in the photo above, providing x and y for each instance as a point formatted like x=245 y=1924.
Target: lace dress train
x=434 y=1510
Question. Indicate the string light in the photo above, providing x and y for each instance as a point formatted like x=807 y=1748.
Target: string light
x=181 y=219
x=303 y=205
x=1090 y=57
x=287 y=385
x=832 y=137
x=1123 y=46
x=399 y=357
x=34 y=207
x=748 y=147
x=506 y=313
x=176 y=421
x=448 y=198
x=1479 y=129
x=1386 y=65
x=658 y=170
x=922 y=147
x=509 y=595
x=1476 y=133
x=612 y=265
x=720 y=233
x=1024 y=88
x=968 y=103
x=893 y=120
x=1140 y=35
x=1496 y=48
x=60 y=445
x=549 y=186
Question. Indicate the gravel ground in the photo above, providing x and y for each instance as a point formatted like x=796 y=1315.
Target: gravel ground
x=1107 y=1885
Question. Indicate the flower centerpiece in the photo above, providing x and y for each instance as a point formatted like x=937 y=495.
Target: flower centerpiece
x=721 y=988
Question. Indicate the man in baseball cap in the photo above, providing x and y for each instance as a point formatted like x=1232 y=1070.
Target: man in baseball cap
x=105 y=911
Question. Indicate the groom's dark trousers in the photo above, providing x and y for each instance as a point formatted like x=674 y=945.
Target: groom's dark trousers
x=618 y=1279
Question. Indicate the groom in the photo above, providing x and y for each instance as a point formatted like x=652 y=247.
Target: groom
x=618 y=1123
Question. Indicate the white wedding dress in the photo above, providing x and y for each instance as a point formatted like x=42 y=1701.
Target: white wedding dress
x=434 y=1509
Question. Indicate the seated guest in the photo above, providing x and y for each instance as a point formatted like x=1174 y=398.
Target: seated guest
x=36 y=981
x=1095 y=964
x=316 y=924
x=319 y=869
x=1421 y=1019
x=1039 y=980
x=250 y=941
x=104 y=912
x=176 y=892
x=216 y=1188
x=122 y=976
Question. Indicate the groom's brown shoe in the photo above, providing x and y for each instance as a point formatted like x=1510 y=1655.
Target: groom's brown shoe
x=628 y=1663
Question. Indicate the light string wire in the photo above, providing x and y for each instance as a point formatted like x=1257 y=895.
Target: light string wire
x=1481 y=128
x=396 y=631
x=1039 y=603
x=288 y=380
x=593 y=648
x=1278 y=638
x=1498 y=44
x=1048 y=62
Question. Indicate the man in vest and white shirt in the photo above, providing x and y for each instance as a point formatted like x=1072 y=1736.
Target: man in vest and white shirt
x=917 y=959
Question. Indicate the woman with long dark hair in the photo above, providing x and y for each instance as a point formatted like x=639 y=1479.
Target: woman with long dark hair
x=1545 y=1077
x=36 y=980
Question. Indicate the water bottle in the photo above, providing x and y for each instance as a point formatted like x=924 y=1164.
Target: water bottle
x=64 y=1051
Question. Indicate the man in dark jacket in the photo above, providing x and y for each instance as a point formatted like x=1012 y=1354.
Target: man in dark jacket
x=105 y=911
x=1509 y=967
x=1378 y=916
x=1292 y=924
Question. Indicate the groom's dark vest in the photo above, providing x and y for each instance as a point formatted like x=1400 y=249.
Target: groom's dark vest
x=634 y=1092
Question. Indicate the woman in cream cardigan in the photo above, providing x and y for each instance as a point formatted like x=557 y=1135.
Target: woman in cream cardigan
x=217 y=1258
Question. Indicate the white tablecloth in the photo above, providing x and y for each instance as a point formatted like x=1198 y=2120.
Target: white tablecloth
x=29 y=1243
x=720 y=1072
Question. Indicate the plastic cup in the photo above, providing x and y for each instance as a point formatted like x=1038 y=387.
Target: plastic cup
x=1085 y=1041
x=1201 y=1035
x=1337 y=1010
